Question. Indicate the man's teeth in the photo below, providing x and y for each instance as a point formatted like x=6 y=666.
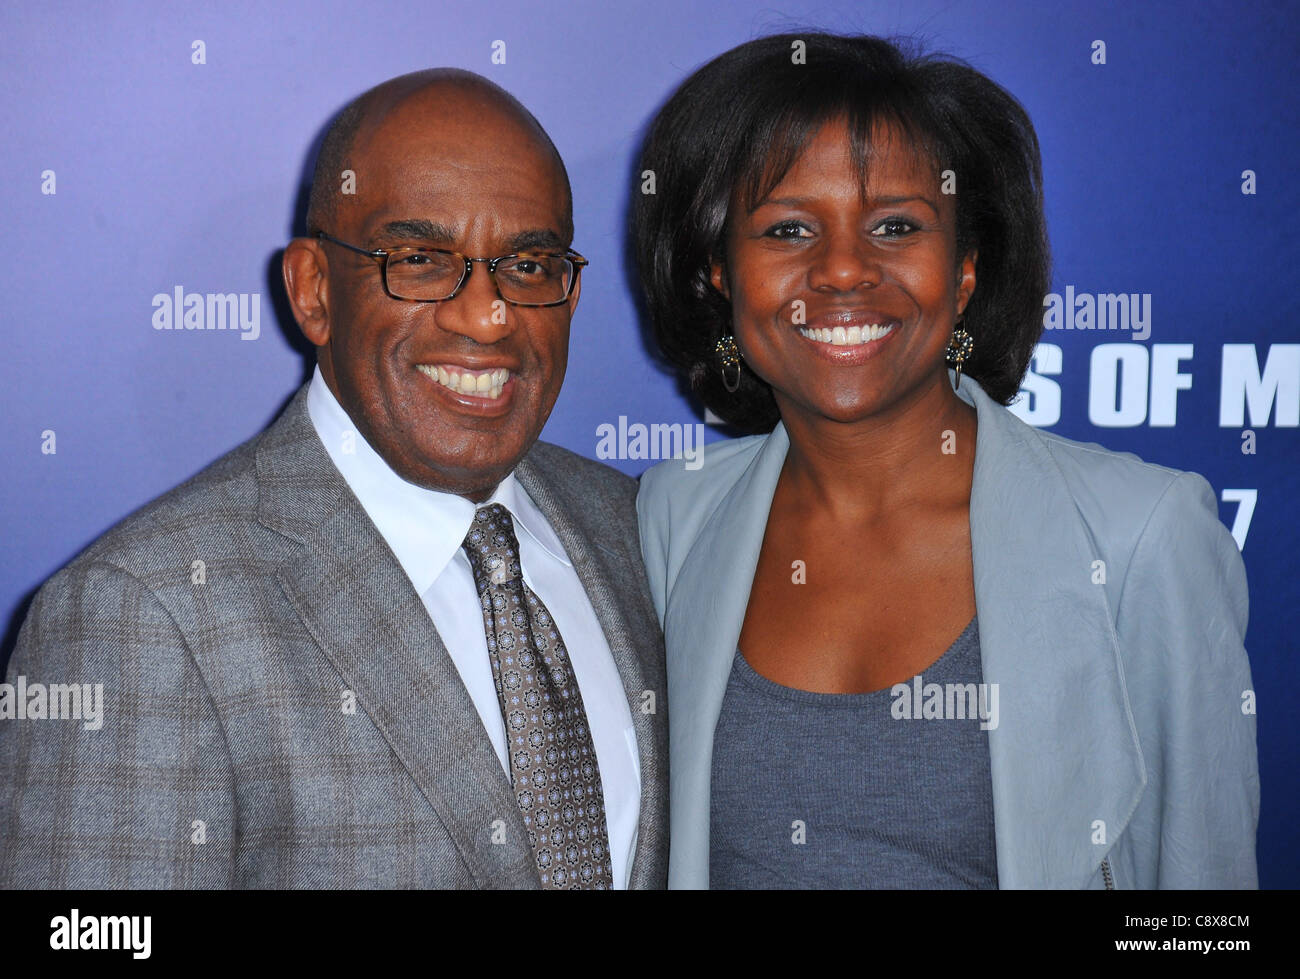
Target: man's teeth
x=841 y=336
x=480 y=384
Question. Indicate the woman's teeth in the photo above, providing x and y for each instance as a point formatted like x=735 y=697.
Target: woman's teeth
x=480 y=384
x=847 y=336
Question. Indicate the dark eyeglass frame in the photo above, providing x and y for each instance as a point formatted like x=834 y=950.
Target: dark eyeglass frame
x=381 y=256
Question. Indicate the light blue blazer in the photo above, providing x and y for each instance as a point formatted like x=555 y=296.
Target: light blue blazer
x=1125 y=751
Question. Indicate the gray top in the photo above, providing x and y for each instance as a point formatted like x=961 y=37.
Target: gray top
x=888 y=789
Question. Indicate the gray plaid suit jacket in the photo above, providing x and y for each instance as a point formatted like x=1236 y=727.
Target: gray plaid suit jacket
x=226 y=758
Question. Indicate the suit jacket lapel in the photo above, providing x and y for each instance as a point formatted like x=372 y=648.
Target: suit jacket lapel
x=358 y=604
x=705 y=612
x=1066 y=765
x=597 y=567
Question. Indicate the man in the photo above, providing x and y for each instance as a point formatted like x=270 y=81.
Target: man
x=394 y=641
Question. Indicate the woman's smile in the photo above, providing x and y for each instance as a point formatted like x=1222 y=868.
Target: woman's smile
x=850 y=345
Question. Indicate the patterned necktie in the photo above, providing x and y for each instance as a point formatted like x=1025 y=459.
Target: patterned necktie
x=552 y=757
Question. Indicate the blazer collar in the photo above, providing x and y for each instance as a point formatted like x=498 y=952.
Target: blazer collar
x=1067 y=771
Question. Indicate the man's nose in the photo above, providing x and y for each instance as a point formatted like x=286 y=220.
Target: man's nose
x=477 y=311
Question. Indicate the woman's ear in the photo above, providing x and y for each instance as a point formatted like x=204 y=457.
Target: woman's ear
x=966 y=280
x=718 y=277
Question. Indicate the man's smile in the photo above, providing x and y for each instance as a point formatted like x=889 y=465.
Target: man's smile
x=488 y=383
x=487 y=392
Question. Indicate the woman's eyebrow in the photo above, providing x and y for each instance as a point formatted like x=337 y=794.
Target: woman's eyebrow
x=783 y=202
x=906 y=199
x=888 y=201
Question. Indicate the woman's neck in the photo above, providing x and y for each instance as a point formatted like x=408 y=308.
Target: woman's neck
x=918 y=453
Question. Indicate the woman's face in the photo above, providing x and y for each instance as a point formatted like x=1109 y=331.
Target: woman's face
x=844 y=302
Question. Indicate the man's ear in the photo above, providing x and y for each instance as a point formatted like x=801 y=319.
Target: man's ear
x=718 y=276
x=305 y=268
x=966 y=280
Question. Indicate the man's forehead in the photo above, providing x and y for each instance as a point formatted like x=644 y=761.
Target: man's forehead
x=449 y=161
x=460 y=199
x=447 y=122
x=512 y=233
x=430 y=156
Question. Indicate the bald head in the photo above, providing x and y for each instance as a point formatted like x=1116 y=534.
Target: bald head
x=442 y=89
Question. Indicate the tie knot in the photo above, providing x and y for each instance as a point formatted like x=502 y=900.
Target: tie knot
x=491 y=547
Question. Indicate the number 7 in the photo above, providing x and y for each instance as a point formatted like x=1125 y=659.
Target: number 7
x=1241 y=522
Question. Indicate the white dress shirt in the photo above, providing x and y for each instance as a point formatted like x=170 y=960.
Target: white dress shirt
x=425 y=528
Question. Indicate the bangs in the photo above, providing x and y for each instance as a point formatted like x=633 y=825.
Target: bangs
x=875 y=118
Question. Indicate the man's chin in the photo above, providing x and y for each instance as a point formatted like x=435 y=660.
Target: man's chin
x=474 y=477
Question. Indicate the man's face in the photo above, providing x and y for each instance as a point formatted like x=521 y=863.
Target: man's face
x=451 y=172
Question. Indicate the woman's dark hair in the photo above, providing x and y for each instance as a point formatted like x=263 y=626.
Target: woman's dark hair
x=737 y=125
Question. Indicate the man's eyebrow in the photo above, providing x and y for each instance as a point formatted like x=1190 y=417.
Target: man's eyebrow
x=417 y=228
x=538 y=239
x=535 y=239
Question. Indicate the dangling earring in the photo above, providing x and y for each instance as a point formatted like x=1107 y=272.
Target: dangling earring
x=729 y=354
x=959 y=348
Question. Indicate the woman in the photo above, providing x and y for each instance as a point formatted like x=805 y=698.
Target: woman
x=846 y=251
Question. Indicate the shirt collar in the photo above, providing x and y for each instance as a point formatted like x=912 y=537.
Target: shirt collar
x=424 y=528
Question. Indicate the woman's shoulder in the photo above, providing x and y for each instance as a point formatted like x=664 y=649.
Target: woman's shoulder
x=1133 y=508
x=1108 y=483
x=680 y=495
x=1118 y=496
x=710 y=475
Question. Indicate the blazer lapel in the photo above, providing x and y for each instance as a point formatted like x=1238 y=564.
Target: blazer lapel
x=1067 y=768
x=605 y=577
x=705 y=612
x=358 y=604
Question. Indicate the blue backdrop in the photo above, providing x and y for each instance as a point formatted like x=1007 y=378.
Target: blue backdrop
x=149 y=149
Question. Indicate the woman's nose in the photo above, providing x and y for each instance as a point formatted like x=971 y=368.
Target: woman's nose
x=844 y=262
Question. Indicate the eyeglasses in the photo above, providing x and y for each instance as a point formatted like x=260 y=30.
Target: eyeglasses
x=432 y=275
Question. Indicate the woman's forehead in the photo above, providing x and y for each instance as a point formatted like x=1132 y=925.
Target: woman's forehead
x=874 y=148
